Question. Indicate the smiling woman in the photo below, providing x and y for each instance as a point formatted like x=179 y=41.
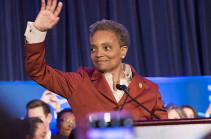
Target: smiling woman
x=92 y=89
x=107 y=54
x=109 y=43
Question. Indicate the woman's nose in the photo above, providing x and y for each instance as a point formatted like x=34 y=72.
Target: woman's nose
x=99 y=53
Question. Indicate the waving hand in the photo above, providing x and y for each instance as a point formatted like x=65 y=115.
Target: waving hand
x=48 y=15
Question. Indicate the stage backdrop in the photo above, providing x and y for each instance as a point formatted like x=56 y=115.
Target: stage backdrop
x=168 y=37
x=192 y=90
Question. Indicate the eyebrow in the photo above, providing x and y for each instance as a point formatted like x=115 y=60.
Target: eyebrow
x=106 y=43
x=92 y=45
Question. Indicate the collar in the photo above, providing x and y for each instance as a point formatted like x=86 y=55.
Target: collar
x=100 y=83
x=137 y=85
x=126 y=69
x=48 y=135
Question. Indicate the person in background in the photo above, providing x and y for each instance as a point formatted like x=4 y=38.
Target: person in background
x=66 y=123
x=28 y=128
x=40 y=109
x=175 y=112
x=34 y=128
x=51 y=99
x=189 y=111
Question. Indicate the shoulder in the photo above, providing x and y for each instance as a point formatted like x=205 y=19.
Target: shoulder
x=86 y=70
x=145 y=81
x=140 y=78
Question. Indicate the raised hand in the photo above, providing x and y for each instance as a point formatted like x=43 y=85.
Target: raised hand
x=50 y=98
x=48 y=15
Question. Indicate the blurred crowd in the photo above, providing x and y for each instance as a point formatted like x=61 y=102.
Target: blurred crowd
x=36 y=123
x=180 y=112
x=184 y=111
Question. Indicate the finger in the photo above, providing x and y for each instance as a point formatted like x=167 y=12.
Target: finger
x=42 y=4
x=54 y=22
x=48 y=5
x=54 y=101
x=53 y=5
x=58 y=9
x=46 y=92
x=54 y=96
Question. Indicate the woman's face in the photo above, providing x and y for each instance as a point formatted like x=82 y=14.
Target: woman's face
x=106 y=53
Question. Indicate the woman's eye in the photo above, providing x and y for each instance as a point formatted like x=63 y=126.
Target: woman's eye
x=92 y=49
x=107 y=47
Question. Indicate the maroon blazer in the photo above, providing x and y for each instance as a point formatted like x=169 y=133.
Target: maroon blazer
x=87 y=90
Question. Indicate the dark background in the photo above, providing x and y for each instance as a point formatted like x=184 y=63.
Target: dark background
x=168 y=37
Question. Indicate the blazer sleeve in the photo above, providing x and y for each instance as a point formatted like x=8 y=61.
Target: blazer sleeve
x=62 y=83
x=159 y=108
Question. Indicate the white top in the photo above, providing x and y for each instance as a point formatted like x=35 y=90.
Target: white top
x=49 y=134
x=33 y=35
x=124 y=81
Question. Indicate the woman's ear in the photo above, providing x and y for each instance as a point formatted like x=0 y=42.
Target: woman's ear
x=124 y=51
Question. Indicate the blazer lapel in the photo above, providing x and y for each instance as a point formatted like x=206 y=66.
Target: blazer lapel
x=135 y=88
x=102 y=86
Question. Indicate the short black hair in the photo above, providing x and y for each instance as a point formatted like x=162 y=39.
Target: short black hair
x=30 y=126
x=59 y=114
x=39 y=103
x=109 y=25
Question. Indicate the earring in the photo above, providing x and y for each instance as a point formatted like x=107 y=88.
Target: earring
x=123 y=57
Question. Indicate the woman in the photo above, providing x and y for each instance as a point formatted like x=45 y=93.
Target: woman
x=92 y=89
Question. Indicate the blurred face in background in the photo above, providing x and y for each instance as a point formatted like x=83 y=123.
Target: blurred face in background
x=189 y=112
x=66 y=124
x=35 y=130
x=173 y=114
x=41 y=131
x=38 y=112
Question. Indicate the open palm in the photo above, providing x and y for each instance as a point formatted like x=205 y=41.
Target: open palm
x=48 y=15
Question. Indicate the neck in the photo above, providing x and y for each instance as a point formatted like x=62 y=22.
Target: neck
x=117 y=75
